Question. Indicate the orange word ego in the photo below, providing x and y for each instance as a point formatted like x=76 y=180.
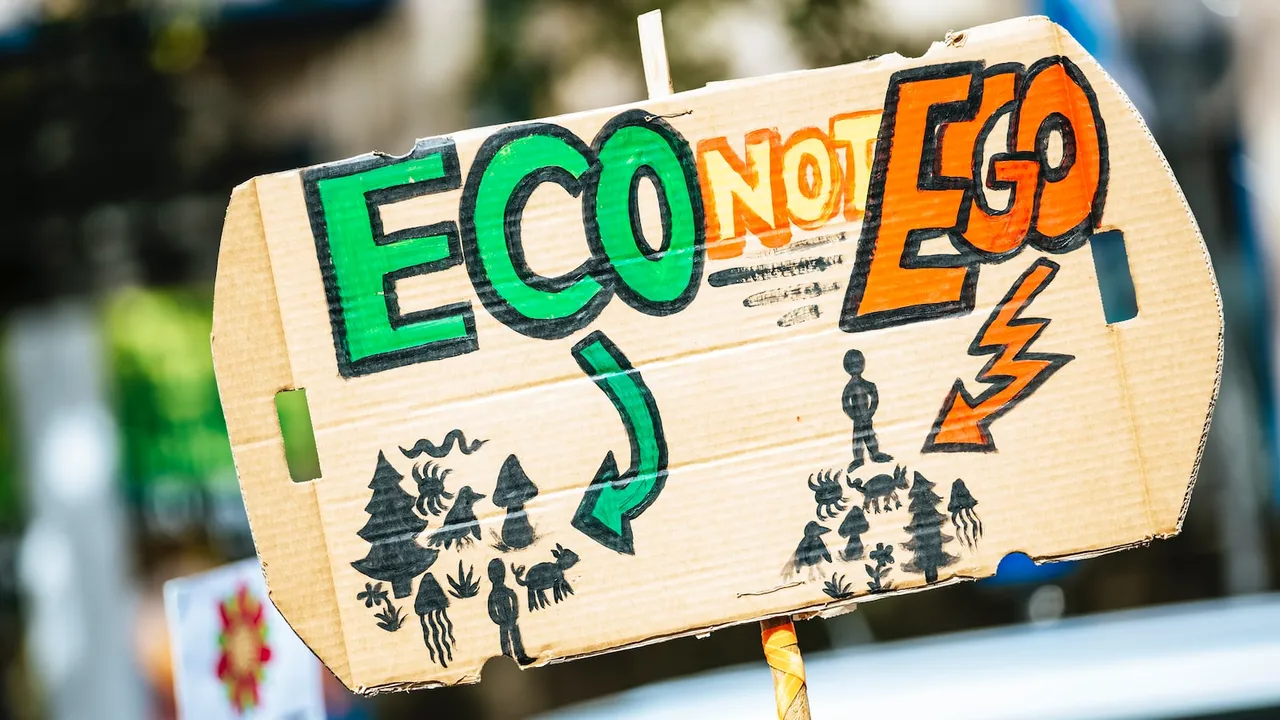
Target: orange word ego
x=931 y=174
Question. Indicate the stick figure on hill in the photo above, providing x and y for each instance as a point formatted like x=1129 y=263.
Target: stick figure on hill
x=860 y=401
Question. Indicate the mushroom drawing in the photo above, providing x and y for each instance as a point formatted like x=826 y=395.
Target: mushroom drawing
x=513 y=491
x=855 y=523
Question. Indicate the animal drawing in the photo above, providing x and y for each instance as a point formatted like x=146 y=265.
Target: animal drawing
x=425 y=446
x=460 y=524
x=881 y=489
x=811 y=551
x=431 y=493
x=827 y=493
x=547 y=576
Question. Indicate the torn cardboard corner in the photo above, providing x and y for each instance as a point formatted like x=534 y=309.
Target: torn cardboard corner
x=769 y=347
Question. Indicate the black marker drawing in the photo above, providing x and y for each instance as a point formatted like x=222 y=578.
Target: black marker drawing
x=432 y=607
x=390 y=617
x=425 y=446
x=964 y=514
x=756 y=273
x=927 y=538
x=855 y=523
x=547 y=576
x=881 y=488
x=860 y=401
x=373 y=594
x=809 y=243
x=827 y=493
x=883 y=558
x=460 y=525
x=394 y=554
x=811 y=551
x=504 y=611
x=467 y=585
x=799 y=315
x=431 y=493
x=808 y=291
x=837 y=589
x=514 y=490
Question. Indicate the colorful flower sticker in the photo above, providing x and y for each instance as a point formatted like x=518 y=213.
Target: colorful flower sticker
x=244 y=649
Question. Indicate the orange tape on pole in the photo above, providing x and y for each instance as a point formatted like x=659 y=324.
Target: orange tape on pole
x=782 y=653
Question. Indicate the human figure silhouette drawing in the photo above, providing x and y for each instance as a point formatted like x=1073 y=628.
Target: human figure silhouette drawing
x=860 y=401
x=504 y=610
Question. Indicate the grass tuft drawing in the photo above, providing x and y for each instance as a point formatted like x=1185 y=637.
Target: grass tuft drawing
x=467 y=585
x=837 y=589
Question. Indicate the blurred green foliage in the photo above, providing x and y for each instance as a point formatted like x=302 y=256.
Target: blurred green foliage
x=164 y=390
x=166 y=396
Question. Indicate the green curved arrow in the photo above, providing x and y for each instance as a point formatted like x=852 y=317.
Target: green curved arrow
x=613 y=500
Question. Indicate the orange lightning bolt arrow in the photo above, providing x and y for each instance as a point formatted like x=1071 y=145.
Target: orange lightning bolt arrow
x=1013 y=373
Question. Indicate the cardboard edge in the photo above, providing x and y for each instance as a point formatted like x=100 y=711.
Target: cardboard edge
x=247 y=343
x=824 y=611
x=1208 y=420
x=1073 y=47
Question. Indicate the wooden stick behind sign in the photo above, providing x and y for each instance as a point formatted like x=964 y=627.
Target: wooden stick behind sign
x=653 y=53
x=777 y=635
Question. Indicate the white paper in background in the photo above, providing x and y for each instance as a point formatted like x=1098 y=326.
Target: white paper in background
x=222 y=623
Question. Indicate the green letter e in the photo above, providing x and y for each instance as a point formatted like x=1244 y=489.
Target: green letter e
x=360 y=263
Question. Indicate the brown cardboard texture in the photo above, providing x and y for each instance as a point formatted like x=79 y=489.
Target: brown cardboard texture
x=770 y=347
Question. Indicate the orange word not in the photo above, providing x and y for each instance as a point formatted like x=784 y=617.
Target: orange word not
x=806 y=180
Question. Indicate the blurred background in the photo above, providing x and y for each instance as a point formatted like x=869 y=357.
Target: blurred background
x=124 y=124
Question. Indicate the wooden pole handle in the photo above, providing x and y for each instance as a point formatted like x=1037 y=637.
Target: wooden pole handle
x=778 y=635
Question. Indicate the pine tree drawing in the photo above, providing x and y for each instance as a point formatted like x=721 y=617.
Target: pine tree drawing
x=925 y=530
x=392 y=529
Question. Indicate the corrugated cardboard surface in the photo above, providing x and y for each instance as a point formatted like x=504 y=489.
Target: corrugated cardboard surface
x=1101 y=456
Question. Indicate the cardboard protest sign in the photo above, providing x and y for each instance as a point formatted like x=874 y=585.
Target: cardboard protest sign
x=768 y=347
x=233 y=655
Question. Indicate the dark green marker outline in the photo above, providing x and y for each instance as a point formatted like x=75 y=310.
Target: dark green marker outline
x=460 y=314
